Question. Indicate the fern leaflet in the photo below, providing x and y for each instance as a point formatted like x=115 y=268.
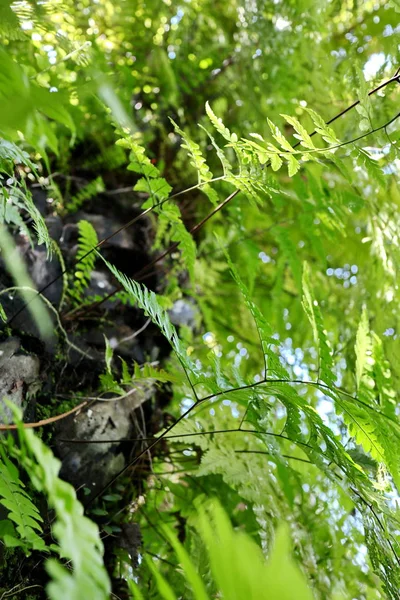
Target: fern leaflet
x=362 y=347
x=21 y=510
x=86 y=193
x=272 y=364
x=313 y=312
x=78 y=537
x=86 y=256
x=148 y=302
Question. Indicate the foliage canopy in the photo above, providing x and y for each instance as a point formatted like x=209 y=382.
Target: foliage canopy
x=260 y=141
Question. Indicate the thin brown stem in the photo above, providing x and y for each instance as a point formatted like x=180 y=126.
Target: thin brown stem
x=45 y=421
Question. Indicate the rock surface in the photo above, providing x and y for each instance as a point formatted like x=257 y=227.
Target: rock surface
x=93 y=465
x=19 y=376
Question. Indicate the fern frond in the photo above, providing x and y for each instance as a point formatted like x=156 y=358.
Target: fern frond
x=198 y=160
x=313 y=312
x=288 y=153
x=293 y=422
x=302 y=134
x=138 y=161
x=16 y=197
x=362 y=348
x=151 y=183
x=21 y=510
x=326 y=132
x=187 y=246
x=87 y=256
x=376 y=433
x=9 y=24
x=264 y=154
x=272 y=363
x=289 y=251
x=362 y=426
x=235 y=560
x=386 y=395
x=226 y=165
x=86 y=193
x=148 y=302
x=10 y=212
x=199 y=163
x=147 y=371
x=219 y=125
x=375 y=172
x=380 y=549
x=110 y=159
x=293 y=164
x=279 y=137
x=39 y=224
x=10 y=155
x=171 y=227
x=78 y=537
x=157 y=188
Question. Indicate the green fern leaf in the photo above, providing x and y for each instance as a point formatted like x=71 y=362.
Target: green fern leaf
x=327 y=133
x=362 y=427
x=16 y=196
x=302 y=133
x=20 y=509
x=377 y=435
x=219 y=126
x=3 y=315
x=293 y=164
x=78 y=537
x=10 y=212
x=86 y=193
x=276 y=162
x=157 y=188
x=293 y=422
x=279 y=137
x=198 y=160
x=11 y=154
x=290 y=252
x=226 y=165
x=170 y=222
x=86 y=256
x=138 y=161
x=383 y=379
x=362 y=347
x=39 y=224
x=264 y=330
x=147 y=371
x=372 y=167
x=148 y=302
x=199 y=163
x=186 y=245
x=9 y=24
x=313 y=312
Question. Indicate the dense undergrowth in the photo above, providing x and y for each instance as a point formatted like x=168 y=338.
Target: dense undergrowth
x=199 y=356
